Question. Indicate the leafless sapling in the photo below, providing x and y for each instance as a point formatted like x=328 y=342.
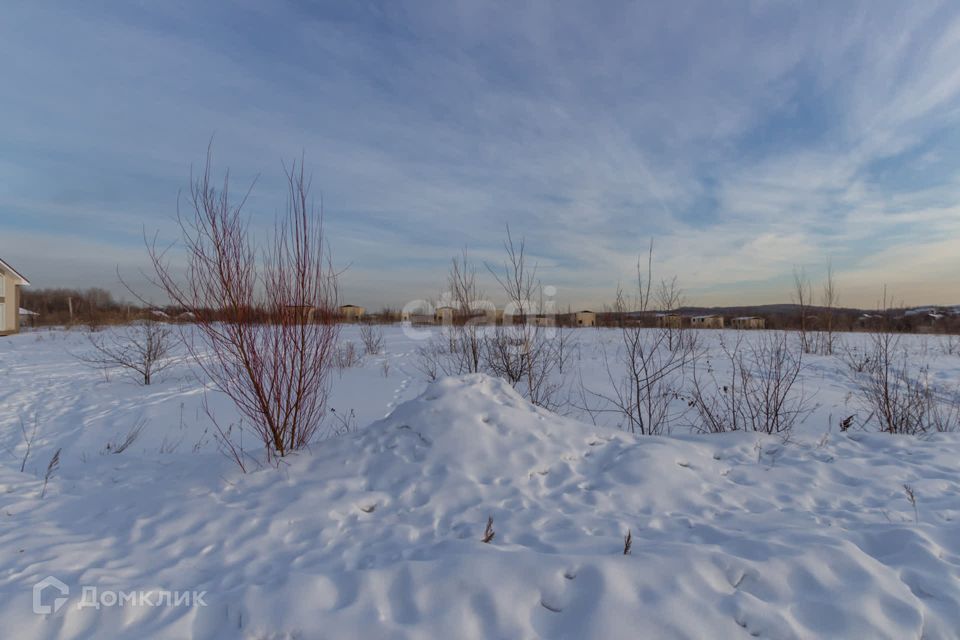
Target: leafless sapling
x=802 y=297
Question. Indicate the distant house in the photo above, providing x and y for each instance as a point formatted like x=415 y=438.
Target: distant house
x=585 y=318
x=351 y=312
x=544 y=320
x=10 y=282
x=444 y=315
x=707 y=322
x=748 y=322
x=669 y=320
x=418 y=312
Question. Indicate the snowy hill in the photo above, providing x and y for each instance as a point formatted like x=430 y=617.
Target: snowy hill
x=378 y=534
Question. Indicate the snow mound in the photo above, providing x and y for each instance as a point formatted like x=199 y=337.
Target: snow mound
x=378 y=535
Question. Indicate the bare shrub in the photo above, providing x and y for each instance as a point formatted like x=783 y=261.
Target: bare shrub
x=142 y=349
x=504 y=354
x=857 y=359
x=429 y=360
x=760 y=391
x=943 y=410
x=522 y=351
x=445 y=355
x=898 y=393
x=645 y=375
x=264 y=330
x=346 y=355
x=467 y=332
x=628 y=543
x=372 y=339
x=895 y=390
x=950 y=345
x=343 y=423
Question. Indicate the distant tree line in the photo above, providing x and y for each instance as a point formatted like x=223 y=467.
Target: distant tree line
x=62 y=306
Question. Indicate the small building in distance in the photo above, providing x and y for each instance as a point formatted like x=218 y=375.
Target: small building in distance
x=418 y=312
x=748 y=322
x=27 y=317
x=444 y=315
x=543 y=320
x=707 y=322
x=585 y=318
x=669 y=320
x=352 y=313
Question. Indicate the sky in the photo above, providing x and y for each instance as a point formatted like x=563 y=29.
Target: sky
x=748 y=139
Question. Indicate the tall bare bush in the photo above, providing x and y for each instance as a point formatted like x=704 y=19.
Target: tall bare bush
x=521 y=350
x=468 y=331
x=264 y=332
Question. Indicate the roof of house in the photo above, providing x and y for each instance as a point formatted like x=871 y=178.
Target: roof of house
x=350 y=306
x=27 y=312
x=7 y=267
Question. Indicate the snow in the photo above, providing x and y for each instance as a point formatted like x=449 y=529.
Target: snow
x=378 y=534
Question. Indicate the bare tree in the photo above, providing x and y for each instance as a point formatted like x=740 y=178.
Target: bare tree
x=265 y=331
x=802 y=297
x=829 y=301
x=142 y=349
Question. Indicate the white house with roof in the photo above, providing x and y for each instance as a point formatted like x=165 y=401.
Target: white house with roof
x=11 y=281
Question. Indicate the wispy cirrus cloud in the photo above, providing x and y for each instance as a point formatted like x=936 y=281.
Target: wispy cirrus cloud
x=747 y=138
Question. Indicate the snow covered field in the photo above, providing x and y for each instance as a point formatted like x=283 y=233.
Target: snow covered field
x=377 y=534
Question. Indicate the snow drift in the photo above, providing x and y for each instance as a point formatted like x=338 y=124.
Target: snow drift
x=378 y=535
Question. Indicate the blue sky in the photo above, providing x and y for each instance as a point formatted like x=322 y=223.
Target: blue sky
x=747 y=139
